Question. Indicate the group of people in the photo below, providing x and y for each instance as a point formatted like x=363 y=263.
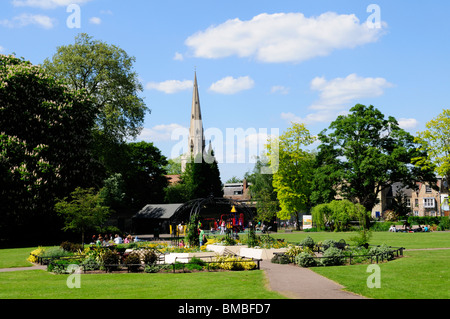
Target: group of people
x=407 y=228
x=108 y=240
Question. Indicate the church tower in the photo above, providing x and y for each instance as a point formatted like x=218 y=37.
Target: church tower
x=196 y=140
x=196 y=136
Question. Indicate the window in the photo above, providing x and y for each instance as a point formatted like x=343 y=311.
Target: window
x=428 y=202
x=428 y=189
x=416 y=213
x=416 y=202
x=408 y=202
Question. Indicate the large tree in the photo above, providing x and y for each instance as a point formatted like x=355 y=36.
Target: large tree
x=45 y=144
x=435 y=142
x=106 y=72
x=363 y=154
x=293 y=177
x=143 y=174
x=262 y=192
x=201 y=177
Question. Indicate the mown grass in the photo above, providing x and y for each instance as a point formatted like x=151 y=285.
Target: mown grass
x=421 y=274
x=39 y=284
x=406 y=240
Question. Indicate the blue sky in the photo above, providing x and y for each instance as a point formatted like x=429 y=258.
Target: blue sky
x=260 y=64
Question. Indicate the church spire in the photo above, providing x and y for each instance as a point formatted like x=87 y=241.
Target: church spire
x=196 y=137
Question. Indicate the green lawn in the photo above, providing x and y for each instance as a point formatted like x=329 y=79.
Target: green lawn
x=419 y=275
x=406 y=240
x=39 y=284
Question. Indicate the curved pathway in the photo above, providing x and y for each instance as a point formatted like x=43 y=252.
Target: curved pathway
x=302 y=283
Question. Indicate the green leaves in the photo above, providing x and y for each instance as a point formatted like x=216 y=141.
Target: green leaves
x=435 y=145
x=106 y=73
x=363 y=154
x=292 y=179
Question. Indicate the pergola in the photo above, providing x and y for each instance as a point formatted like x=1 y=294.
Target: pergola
x=211 y=208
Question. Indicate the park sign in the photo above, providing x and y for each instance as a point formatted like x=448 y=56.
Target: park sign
x=307 y=221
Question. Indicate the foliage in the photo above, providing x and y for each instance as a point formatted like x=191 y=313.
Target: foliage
x=332 y=257
x=68 y=246
x=112 y=193
x=143 y=174
x=441 y=222
x=133 y=261
x=383 y=250
x=83 y=212
x=110 y=259
x=61 y=266
x=34 y=254
x=90 y=263
x=294 y=173
x=55 y=252
x=149 y=257
x=369 y=153
x=231 y=263
x=308 y=242
x=305 y=259
x=106 y=73
x=363 y=237
x=45 y=145
x=280 y=259
x=252 y=239
x=177 y=193
x=202 y=177
x=434 y=144
x=192 y=231
x=337 y=214
x=154 y=268
x=262 y=191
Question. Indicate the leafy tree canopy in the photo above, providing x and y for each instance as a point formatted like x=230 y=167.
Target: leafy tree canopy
x=362 y=154
x=45 y=143
x=106 y=73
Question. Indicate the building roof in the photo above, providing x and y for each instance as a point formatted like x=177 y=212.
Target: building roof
x=157 y=211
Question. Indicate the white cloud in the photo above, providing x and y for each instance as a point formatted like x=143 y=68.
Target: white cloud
x=178 y=57
x=2 y=49
x=170 y=86
x=46 y=4
x=338 y=95
x=159 y=133
x=339 y=92
x=279 y=89
x=26 y=19
x=408 y=124
x=95 y=20
x=230 y=85
x=283 y=37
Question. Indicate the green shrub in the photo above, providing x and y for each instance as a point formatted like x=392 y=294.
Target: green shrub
x=90 y=263
x=328 y=243
x=308 y=242
x=154 y=268
x=384 y=250
x=68 y=246
x=110 y=260
x=60 y=266
x=56 y=252
x=280 y=259
x=305 y=260
x=444 y=223
x=149 y=257
x=133 y=261
x=332 y=257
